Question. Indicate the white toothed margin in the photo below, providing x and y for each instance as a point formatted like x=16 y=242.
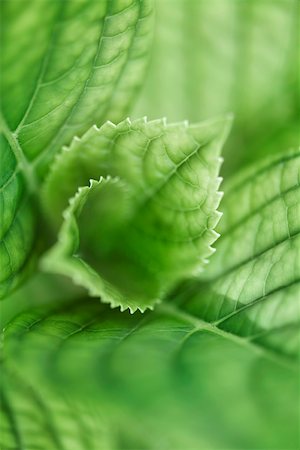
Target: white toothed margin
x=67 y=148
x=214 y=216
x=210 y=234
x=76 y=139
x=61 y=258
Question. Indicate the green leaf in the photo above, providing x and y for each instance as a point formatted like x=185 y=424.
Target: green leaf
x=207 y=370
x=129 y=248
x=211 y=57
x=85 y=66
x=49 y=89
x=29 y=295
x=162 y=377
x=17 y=219
x=30 y=422
x=85 y=235
x=252 y=284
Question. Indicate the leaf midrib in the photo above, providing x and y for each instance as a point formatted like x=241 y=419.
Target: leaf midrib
x=170 y=310
x=12 y=421
x=21 y=159
x=201 y=325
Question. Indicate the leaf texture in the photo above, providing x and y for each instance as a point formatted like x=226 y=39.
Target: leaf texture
x=30 y=422
x=206 y=358
x=85 y=66
x=171 y=176
x=252 y=285
x=166 y=368
x=58 y=94
x=17 y=220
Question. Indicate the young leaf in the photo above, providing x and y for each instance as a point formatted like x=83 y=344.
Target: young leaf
x=253 y=281
x=87 y=232
x=170 y=173
x=54 y=89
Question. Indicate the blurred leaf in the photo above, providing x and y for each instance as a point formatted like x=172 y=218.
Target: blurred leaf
x=224 y=56
x=40 y=289
x=217 y=367
x=165 y=379
x=30 y=422
x=48 y=93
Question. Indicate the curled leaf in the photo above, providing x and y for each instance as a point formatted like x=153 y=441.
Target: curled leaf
x=131 y=255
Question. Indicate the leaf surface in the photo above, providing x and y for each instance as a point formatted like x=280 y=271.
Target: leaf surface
x=252 y=286
x=39 y=417
x=85 y=66
x=170 y=173
x=205 y=369
x=167 y=368
x=17 y=219
x=63 y=75
x=228 y=363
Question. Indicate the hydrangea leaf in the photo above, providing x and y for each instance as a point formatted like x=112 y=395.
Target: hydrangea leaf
x=211 y=350
x=167 y=368
x=252 y=286
x=166 y=232
x=30 y=421
x=17 y=218
x=85 y=66
x=49 y=89
x=98 y=210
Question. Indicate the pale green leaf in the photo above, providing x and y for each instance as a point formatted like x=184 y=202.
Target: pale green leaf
x=211 y=57
x=165 y=232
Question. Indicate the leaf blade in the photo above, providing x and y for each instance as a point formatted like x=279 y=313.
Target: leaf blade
x=17 y=224
x=83 y=52
x=171 y=175
x=134 y=364
x=253 y=278
x=86 y=68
